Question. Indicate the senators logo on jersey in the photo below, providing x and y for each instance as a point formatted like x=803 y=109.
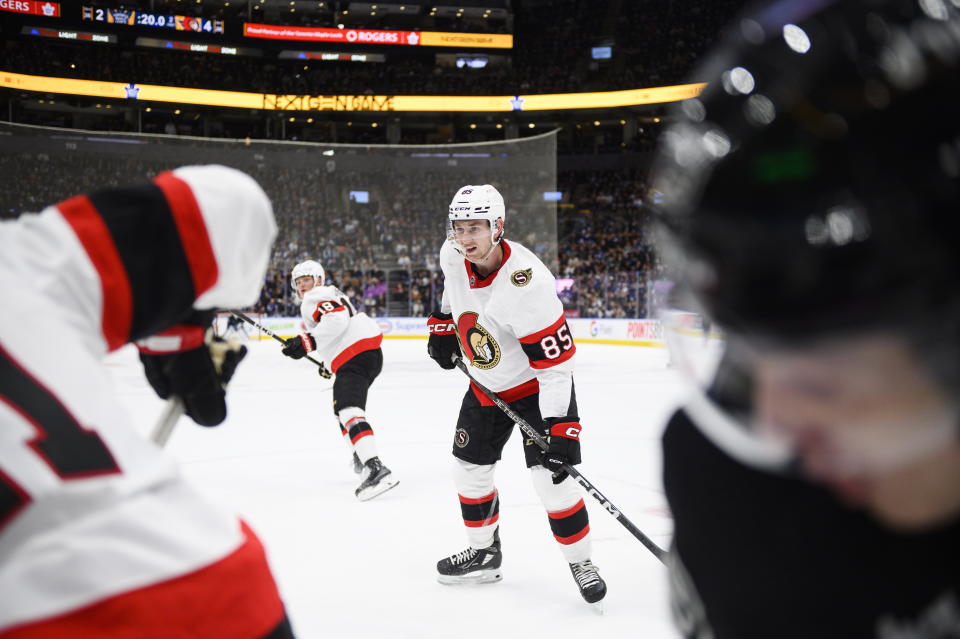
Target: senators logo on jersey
x=477 y=343
x=521 y=278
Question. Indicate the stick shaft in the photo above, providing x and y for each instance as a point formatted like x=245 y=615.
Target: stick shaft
x=249 y=320
x=168 y=419
x=591 y=490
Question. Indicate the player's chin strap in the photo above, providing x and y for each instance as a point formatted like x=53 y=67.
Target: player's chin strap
x=480 y=260
x=538 y=439
x=493 y=246
x=324 y=373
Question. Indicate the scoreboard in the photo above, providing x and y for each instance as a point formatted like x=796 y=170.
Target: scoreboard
x=146 y=19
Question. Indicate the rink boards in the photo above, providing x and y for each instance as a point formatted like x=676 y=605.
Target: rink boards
x=621 y=332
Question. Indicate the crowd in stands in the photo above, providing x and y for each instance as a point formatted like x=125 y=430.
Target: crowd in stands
x=606 y=256
x=552 y=49
x=383 y=253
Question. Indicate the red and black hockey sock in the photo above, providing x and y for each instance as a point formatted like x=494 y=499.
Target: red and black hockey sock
x=357 y=428
x=480 y=511
x=570 y=525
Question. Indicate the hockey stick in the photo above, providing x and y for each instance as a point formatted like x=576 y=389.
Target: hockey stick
x=168 y=419
x=175 y=408
x=538 y=439
x=324 y=373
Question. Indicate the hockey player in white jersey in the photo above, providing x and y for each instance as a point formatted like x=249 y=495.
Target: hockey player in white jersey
x=100 y=535
x=500 y=309
x=349 y=344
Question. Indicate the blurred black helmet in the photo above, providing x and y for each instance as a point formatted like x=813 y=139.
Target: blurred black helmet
x=813 y=186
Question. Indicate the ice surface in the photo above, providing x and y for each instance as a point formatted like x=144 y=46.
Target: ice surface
x=350 y=569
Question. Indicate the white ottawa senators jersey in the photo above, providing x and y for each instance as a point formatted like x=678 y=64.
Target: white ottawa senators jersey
x=100 y=535
x=511 y=326
x=341 y=332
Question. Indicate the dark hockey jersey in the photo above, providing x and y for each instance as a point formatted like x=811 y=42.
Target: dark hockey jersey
x=761 y=556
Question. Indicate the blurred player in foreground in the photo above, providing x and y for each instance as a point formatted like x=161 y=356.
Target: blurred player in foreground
x=810 y=207
x=349 y=343
x=500 y=309
x=100 y=535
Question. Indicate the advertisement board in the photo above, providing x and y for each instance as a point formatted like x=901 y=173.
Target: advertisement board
x=379 y=36
x=620 y=332
x=32 y=7
x=293 y=102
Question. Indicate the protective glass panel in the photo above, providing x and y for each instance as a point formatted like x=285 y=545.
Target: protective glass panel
x=374 y=216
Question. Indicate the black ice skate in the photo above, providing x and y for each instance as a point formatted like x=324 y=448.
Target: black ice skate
x=592 y=586
x=377 y=480
x=357 y=464
x=473 y=565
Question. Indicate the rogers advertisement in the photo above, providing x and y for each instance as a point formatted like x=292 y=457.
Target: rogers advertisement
x=320 y=34
x=33 y=7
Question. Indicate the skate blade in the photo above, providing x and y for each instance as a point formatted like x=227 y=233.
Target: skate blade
x=476 y=577
x=369 y=493
x=597 y=607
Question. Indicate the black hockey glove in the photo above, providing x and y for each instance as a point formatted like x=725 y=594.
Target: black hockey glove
x=564 y=446
x=187 y=361
x=442 y=344
x=298 y=347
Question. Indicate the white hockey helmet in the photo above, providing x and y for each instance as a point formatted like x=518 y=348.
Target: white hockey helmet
x=308 y=268
x=478 y=202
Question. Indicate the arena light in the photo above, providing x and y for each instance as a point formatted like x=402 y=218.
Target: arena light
x=601 y=53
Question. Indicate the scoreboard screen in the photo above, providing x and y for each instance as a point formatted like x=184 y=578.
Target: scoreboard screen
x=196 y=47
x=146 y=19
